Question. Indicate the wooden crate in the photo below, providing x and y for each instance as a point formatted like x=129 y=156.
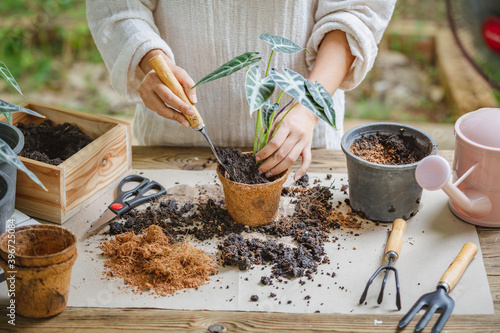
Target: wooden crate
x=81 y=178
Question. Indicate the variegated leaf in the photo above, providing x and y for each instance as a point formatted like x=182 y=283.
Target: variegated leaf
x=322 y=97
x=267 y=111
x=7 y=109
x=258 y=90
x=5 y=73
x=233 y=65
x=281 y=44
x=293 y=84
x=8 y=156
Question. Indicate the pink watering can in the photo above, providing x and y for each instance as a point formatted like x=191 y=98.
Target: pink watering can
x=473 y=184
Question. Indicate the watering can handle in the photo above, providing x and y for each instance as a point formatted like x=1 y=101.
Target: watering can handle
x=165 y=74
x=395 y=241
x=458 y=266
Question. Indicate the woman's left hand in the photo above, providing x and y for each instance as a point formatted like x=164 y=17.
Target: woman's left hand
x=292 y=139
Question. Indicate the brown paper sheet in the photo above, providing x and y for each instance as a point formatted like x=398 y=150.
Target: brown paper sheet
x=432 y=240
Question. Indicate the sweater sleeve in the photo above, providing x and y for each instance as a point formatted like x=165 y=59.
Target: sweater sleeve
x=124 y=31
x=364 y=23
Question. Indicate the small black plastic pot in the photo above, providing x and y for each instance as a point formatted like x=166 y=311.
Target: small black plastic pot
x=381 y=192
x=7 y=200
x=15 y=139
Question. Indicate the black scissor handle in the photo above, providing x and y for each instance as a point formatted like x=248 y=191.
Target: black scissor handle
x=121 y=205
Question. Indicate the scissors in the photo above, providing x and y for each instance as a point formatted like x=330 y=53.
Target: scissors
x=121 y=205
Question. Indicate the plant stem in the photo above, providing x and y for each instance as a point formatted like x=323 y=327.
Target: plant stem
x=269 y=63
x=279 y=123
x=257 y=130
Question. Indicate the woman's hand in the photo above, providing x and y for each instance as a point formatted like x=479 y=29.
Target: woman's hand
x=157 y=95
x=292 y=139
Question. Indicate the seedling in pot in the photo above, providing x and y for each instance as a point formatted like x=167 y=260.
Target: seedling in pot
x=259 y=90
x=7 y=155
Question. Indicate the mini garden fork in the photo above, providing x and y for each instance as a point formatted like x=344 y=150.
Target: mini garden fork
x=439 y=299
x=392 y=251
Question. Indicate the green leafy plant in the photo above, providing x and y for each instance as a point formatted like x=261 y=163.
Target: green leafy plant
x=7 y=155
x=259 y=90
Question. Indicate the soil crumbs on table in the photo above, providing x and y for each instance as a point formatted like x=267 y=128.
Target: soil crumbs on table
x=52 y=144
x=310 y=225
x=389 y=149
x=152 y=262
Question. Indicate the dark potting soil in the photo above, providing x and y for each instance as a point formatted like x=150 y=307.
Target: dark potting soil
x=390 y=149
x=242 y=167
x=206 y=220
x=52 y=144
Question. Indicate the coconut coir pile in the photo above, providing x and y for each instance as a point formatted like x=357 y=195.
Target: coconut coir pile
x=153 y=262
x=389 y=149
x=52 y=144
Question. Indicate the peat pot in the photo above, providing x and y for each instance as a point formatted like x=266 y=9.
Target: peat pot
x=43 y=258
x=253 y=205
x=12 y=136
x=382 y=192
x=7 y=198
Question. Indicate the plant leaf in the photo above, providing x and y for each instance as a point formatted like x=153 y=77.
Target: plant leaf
x=281 y=44
x=258 y=90
x=8 y=156
x=5 y=73
x=294 y=85
x=7 y=109
x=321 y=96
x=267 y=111
x=233 y=65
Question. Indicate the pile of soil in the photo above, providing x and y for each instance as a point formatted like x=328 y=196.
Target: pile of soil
x=311 y=222
x=52 y=144
x=152 y=262
x=389 y=149
x=242 y=167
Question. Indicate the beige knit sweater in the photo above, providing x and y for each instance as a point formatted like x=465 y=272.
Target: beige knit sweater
x=201 y=35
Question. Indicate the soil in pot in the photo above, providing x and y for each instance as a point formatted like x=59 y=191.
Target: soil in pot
x=242 y=167
x=389 y=149
x=52 y=144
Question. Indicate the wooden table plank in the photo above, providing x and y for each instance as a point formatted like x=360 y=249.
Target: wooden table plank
x=135 y=320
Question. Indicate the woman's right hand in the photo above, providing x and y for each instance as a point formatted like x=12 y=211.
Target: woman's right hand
x=157 y=95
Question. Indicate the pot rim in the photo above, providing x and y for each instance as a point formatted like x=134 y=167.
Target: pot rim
x=284 y=174
x=349 y=154
x=42 y=226
x=20 y=143
x=10 y=184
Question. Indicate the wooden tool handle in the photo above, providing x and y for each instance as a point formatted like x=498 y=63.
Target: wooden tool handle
x=458 y=266
x=396 y=238
x=165 y=74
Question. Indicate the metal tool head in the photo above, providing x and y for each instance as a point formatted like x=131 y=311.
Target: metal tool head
x=205 y=134
x=387 y=269
x=437 y=300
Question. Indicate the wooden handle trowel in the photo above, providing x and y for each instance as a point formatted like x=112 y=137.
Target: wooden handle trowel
x=165 y=74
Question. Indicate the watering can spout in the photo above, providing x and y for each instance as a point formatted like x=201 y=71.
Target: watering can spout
x=434 y=173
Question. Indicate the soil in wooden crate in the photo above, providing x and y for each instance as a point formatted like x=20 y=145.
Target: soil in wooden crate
x=52 y=144
x=313 y=219
x=393 y=149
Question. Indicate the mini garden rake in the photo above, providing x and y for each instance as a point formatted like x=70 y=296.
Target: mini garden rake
x=392 y=251
x=439 y=299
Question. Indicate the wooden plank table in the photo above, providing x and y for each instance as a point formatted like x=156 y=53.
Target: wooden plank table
x=138 y=320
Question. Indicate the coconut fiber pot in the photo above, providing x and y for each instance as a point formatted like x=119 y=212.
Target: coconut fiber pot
x=253 y=205
x=43 y=260
x=382 y=192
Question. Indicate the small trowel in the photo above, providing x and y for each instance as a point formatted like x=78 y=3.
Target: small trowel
x=165 y=74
